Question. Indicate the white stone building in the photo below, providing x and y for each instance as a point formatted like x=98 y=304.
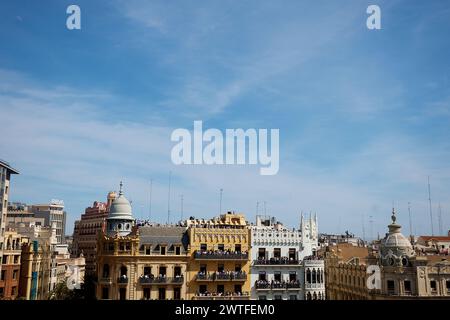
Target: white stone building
x=284 y=263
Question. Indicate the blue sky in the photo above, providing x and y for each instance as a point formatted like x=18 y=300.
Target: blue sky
x=363 y=115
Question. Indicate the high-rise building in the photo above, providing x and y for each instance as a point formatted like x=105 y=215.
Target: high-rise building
x=219 y=266
x=284 y=261
x=86 y=232
x=5 y=176
x=52 y=213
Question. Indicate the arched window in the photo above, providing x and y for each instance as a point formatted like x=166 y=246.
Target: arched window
x=314 y=275
x=308 y=296
x=315 y=296
x=308 y=276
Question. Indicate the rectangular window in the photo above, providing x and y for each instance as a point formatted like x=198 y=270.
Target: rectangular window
x=203 y=268
x=390 y=286
x=14 y=291
x=237 y=268
x=292 y=254
x=447 y=285
x=203 y=247
x=162 y=271
x=148 y=250
x=278 y=297
x=277 y=253
x=177 y=271
x=147 y=271
x=262 y=276
x=5 y=259
x=162 y=293
x=407 y=285
x=177 y=250
x=176 y=293
x=237 y=248
x=105 y=293
x=15 y=274
x=146 y=293
x=292 y=276
x=433 y=285
x=220 y=288
x=202 y=288
x=262 y=298
x=292 y=297
x=277 y=276
x=221 y=247
x=163 y=250
x=3 y=276
x=262 y=253
x=220 y=268
x=237 y=288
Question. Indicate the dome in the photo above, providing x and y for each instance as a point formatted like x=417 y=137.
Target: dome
x=397 y=240
x=120 y=208
x=395 y=247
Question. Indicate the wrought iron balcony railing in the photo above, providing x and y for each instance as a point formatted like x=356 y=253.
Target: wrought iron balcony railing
x=276 y=261
x=220 y=255
x=264 y=285
x=222 y=276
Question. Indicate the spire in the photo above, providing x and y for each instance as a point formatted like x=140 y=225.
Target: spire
x=393 y=217
x=120 y=190
x=394 y=226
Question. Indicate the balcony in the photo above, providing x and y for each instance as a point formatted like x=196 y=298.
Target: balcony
x=314 y=286
x=220 y=255
x=151 y=280
x=221 y=296
x=276 y=286
x=222 y=276
x=275 y=262
x=105 y=280
x=123 y=280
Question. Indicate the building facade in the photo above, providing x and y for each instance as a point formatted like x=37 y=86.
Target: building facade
x=87 y=229
x=219 y=262
x=284 y=262
x=394 y=271
x=37 y=267
x=11 y=260
x=53 y=214
x=140 y=262
x=5 y=176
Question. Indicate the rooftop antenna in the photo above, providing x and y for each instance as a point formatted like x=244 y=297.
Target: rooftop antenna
x=363 y=228
x=410 y=220
x=150 y=201
x=220 y=201
x=182 y=198
x=257 y=209
x=440 y=219
x=371 y=227
x=431 y=210
x=168 y=198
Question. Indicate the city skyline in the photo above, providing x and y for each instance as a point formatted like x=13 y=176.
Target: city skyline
x=363 y=114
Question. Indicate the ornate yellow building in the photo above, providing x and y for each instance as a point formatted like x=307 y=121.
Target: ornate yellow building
x=148 y=262
x=219 y=263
